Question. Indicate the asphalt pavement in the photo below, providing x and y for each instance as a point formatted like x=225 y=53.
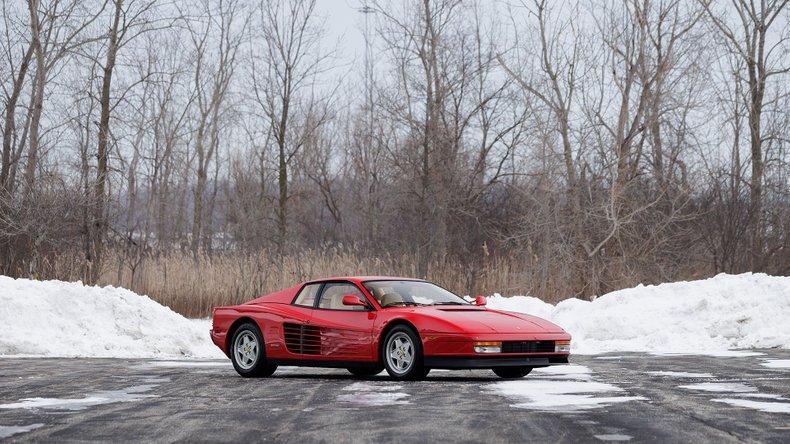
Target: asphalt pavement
x=616 y=397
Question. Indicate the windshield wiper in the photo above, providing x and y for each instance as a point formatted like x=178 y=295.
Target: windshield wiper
x=392 y=304
x=449 y=303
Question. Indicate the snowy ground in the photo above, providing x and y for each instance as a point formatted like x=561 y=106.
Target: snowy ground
x=628 y=396
x=712 y=316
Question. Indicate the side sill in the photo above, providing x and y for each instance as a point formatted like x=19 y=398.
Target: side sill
x=323 y=363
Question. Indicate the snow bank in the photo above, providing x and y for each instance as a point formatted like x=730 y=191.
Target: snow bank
x=64 y=319
x=53 y=318
x=720 y=313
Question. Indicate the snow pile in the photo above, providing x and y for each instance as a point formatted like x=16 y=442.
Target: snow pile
x=53 y=318
x=64 y=319
x=720 y=313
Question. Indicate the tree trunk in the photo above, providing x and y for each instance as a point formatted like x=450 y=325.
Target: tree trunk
x=38 y=96
x=756 y=183
x=102 y=154
x=10 y=122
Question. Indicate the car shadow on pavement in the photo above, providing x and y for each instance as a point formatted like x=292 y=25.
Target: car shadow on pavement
x=430 y=378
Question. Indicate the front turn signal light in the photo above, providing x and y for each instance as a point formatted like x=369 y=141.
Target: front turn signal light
x=488 y=347
x=562 y=346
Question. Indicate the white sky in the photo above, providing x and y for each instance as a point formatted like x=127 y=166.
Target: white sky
x=344 y=24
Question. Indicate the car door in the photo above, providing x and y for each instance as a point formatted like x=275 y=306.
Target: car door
x=345 y=330
x=298 y=336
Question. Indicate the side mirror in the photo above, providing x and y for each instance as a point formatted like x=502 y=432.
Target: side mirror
x=480 y=300
x=353 y=301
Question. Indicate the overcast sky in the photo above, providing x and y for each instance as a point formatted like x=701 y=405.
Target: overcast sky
x=344 y=25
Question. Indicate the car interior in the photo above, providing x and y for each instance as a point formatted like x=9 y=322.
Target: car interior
x=332 y=297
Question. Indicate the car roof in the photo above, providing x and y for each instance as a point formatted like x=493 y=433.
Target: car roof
x=360 y=279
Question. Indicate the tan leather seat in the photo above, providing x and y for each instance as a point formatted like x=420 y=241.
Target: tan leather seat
x=333 y=298
x=390 y=298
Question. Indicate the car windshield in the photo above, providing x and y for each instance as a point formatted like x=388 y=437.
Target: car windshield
x=399 y=293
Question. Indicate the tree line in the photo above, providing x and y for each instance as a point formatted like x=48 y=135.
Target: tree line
x=591 y=144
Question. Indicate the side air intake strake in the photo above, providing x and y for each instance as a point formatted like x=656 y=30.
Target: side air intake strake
x=302 y=339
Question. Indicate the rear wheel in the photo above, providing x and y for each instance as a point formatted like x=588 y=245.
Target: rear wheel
x=402 y=354
x=512 y=372
x=365 y=371
x=248 y=354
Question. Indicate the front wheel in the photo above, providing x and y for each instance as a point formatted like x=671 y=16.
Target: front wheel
x=247 y=352
x=512 y=372
x=402 y=354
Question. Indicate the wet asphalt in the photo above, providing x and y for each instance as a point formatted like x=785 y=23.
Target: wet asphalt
x=614 y=397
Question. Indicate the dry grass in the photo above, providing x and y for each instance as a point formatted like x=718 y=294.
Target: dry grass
x=192 y=285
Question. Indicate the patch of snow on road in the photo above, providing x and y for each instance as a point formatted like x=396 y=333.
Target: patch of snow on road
x=8 y=431
x=225 y=363
x=369 y=386
x=728 y=387
x=672 y=374
x=776 y=363
x=750 y=310
x=567 y=369
x=370 y=394
x=614 y=437
x=560 y=388
x=714 y=354
x=570 y=371
x=559 y=396
x=68 y=319
x=769 y=407
x=763 y=395
x=156 y=380
x=129 y=394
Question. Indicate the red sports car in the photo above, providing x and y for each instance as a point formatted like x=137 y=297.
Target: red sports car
x=367 y=324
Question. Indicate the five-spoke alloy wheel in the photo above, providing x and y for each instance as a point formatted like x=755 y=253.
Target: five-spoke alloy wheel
x=402 y=354
x=248 y=354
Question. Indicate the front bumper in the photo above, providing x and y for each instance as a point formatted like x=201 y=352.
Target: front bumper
x=456 y=351
x=467 y=362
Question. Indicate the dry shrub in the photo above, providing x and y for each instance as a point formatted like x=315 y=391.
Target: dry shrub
x=192 y=285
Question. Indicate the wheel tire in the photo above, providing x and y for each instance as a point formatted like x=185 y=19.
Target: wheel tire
x=512 y=372
x=363 y=372
x=403 y=362
x=250 y=363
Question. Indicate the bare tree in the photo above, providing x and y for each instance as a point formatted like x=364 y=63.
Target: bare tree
x=18 y=72
x=285 y=81
x=559 y=55
x=128 y=21
x=216 y=39
x=748 y=34
x=56 y=31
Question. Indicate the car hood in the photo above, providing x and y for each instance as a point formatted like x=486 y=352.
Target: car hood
x=482 y=320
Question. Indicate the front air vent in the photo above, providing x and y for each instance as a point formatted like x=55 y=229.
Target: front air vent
x=528 y=347
x=302 y=339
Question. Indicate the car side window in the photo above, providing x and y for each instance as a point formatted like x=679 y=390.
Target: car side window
x=307 y=295
x=332 y=297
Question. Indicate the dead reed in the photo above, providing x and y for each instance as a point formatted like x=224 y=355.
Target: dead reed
x=192 y=285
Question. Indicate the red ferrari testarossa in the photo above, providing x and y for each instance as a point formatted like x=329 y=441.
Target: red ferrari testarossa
x=366 y=324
